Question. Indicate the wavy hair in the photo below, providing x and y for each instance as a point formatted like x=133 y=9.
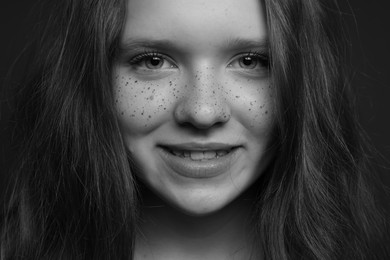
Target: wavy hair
x=319 y=187
x=75 y=196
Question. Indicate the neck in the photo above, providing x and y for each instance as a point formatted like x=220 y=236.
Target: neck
x=167 y=233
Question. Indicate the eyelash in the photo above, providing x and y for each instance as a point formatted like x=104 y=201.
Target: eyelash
x=262 y=57
x=146 y=54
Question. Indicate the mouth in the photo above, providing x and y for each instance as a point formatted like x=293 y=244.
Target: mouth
x=197 y=155
x=199 y=160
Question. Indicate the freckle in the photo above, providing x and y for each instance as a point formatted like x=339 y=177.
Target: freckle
x=116 y=100
x=132 y=115
x=165 y=108
x=149 y=116
x=237 y=96
x=135 y=81
x=122 y=113
x=266 y=112
x=151 y=97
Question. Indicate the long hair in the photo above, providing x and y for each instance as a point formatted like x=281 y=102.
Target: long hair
x=75 y=196
x=316 y=203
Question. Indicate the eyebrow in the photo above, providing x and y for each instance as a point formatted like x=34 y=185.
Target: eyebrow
x=135 y=43
x=241 y=43
x=230 y=44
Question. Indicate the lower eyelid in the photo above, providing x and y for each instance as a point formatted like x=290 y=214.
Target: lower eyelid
x=261 y=58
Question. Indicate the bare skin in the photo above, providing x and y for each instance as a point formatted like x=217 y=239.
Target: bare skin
x=196 y=112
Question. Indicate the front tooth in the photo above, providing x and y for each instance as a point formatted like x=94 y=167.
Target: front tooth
x=187 y=154
x=197 y=156
x=209 y=154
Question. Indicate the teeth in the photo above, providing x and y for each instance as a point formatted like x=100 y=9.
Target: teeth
x=209 y=154
x=221 y=153
x=197 y=156
x=200 y=155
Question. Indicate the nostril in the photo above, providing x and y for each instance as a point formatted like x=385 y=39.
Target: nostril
x=201 y=115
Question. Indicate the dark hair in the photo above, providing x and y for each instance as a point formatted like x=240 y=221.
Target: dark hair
x=319 y=186
x=75 y=196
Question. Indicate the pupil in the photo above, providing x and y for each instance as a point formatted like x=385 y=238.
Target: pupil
x=247 y=61
x=155 y=61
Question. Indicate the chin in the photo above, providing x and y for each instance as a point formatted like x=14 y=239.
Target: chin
x=191 y=202
x=199 y=203
x=200 y=210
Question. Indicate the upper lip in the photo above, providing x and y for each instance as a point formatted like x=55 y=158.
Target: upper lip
x=192 y=146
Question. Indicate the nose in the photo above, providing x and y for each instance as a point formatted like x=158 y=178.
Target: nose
x=203 y=104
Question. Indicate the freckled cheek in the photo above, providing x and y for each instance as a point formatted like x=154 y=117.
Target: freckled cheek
x=254 y=105
x=142 y=105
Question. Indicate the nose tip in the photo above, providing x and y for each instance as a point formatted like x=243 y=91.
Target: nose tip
x=202 y=113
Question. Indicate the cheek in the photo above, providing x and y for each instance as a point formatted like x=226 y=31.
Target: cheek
x=253 y=103
x=143 y=105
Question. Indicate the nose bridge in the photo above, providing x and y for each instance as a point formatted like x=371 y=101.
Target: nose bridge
x=204 y=104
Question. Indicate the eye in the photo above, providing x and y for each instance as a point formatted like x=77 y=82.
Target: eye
x=250 y=61
x=151 y=61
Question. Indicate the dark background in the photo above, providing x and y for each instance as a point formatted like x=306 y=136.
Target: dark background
x=369 y=31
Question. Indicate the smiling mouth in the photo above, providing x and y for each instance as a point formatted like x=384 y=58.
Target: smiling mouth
x=195 y=160
x=200 y=155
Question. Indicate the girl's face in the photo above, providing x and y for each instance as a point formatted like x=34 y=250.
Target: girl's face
x=194 y=100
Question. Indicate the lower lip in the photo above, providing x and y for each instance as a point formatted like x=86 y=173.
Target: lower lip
x=199 y=169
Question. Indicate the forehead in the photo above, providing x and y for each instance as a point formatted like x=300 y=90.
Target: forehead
x=196 y=22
